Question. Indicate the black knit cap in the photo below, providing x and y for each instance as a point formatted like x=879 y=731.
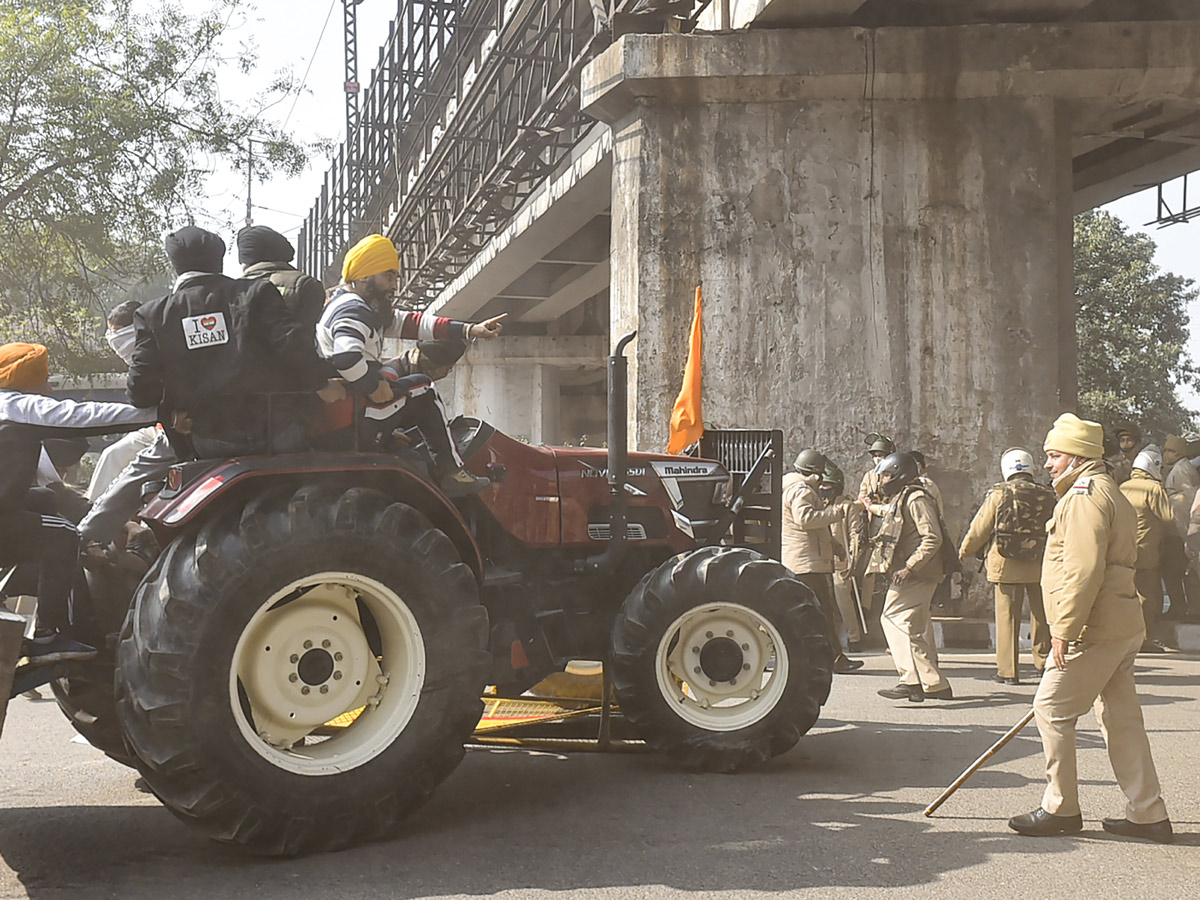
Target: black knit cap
x=193 y=249
x=258 y=243
x=442 y=353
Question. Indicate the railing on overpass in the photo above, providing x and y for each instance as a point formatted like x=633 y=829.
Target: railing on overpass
x=471 y=105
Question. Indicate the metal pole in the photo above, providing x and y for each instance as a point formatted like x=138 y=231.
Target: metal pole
x=973 y=767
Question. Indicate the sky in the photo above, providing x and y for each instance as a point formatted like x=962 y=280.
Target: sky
x=306 y=36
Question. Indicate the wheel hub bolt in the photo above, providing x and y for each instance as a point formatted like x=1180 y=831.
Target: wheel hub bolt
x=696 y=670
x=708 y=634
x=745 y=646
x=733 y=681
x=729 y=633
x=306 y=690
x=324 y=689
x=326 y=644
x=695 y=649
x=712 y=683
x=337 y=676
x=338 y=657
x=293 y=677
x=745 y=667
x=308 y=645
x=294 y=658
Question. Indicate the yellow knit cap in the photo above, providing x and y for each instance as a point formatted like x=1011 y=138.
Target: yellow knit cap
x=23 y=367
x=373 y=255
x=1076 y=436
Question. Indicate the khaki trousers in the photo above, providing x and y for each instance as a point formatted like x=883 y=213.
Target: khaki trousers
x=1150 y=592
x=1099 y=674
x=909 y=632
x=843 y=593
x=1009 y=599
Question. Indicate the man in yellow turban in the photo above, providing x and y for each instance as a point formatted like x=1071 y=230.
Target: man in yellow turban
x=31 y=530
x=350 y=336
x=1096 y=630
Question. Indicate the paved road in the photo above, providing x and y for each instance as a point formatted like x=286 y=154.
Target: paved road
x=839 y=817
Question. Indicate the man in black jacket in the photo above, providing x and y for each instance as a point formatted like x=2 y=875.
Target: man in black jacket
x=214 y=348
x=265 y=253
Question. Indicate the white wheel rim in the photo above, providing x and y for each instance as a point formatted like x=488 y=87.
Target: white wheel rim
x=695 y=662
x=305 y=661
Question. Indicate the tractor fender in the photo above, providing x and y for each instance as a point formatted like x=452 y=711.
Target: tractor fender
x=178 y=506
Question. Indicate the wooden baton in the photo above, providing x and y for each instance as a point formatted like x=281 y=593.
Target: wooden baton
x=973 y=767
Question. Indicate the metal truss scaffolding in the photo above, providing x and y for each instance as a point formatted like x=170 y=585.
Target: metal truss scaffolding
x=471 y=105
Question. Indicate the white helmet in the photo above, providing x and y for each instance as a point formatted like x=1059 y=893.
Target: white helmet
x=1149 y=460
x=1015 y=461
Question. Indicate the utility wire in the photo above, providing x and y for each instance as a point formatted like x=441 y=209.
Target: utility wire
x=304 y=80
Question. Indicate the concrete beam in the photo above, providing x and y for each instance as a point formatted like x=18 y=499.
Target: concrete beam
x=566 y=298
x=1118 y=63
x=559 y=208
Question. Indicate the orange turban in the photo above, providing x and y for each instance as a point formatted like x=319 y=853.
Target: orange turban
x=373 y=255
x=23 y=367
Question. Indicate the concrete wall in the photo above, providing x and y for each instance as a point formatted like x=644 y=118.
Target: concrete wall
x=892 y=267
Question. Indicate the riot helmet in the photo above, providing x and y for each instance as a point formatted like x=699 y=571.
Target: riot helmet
x=1016 y=461
x=810 y=462
x=1150 y=461
x=895 y=471
x=878 y=444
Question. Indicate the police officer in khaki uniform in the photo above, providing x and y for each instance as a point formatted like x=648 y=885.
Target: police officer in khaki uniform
x=879 y=447
x=808 y=542
x=849 y=540
x=1014 y=563
x=1096 y=630
x=1155 y=522
x=1179 y=572
x=908 y=547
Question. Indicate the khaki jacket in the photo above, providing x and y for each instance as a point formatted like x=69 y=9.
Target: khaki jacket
x=934 y=491
x=1000 y=569
x=807 y=540
x=1091 y=551
x=1181 y=483
x=1155 y=517
x=919 y=542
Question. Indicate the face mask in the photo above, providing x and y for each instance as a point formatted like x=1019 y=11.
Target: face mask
x=1075 y=464
x=122 y=341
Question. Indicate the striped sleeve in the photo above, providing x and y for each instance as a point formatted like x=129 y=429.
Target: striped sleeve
x=423 y=327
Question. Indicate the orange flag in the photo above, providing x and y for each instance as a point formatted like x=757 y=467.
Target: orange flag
x=687 y=419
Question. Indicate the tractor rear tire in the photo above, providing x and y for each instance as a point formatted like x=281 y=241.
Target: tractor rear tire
x=303 y=604
x=720 y=659
x=87 y=697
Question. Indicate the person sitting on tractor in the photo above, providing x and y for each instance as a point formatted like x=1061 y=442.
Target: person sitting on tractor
x=30 y=529
x=350 y=335
x=208 y=354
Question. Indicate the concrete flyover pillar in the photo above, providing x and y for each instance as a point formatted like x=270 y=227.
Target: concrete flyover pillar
x=515 y=382
x=881 y=222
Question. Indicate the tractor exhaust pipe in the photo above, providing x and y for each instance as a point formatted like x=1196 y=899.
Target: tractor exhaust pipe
x=618 y=460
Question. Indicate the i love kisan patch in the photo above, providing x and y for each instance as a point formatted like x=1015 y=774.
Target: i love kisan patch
x=205 y=331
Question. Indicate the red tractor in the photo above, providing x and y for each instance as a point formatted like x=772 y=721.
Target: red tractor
x=304 y=660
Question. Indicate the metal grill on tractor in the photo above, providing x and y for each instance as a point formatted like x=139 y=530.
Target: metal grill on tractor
x=742 y=450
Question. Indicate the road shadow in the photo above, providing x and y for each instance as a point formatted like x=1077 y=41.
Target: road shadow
x=820 y=816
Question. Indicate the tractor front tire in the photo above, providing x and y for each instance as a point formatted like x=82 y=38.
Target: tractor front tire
x=720 y=659
x=300 y=672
